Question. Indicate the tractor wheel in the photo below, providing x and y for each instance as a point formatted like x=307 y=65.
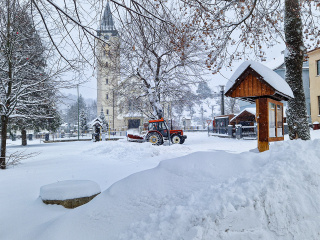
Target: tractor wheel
x=155 y=138
x=176 y=139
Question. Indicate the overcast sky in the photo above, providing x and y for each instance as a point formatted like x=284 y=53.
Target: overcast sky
x=89 y=89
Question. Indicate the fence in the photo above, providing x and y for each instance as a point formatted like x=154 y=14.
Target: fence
x=220 y=130
x=238 y=131
x=246 y=132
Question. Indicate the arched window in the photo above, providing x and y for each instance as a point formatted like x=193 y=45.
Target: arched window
x=107 y=111
x=107 y=96
x=107 y=81
x=106 y=65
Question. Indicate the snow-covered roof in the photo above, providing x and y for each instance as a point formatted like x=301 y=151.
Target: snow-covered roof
x=94 y=121
x=272 y=78
x=253 y=110
x=250 y=110
x=221 y=117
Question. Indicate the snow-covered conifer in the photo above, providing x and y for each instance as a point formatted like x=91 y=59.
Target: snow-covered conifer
x=204 y=91
x=26 y=91
x=83 y=121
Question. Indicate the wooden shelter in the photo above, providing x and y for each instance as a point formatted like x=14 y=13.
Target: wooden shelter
x=255 y=82
x=247 y=117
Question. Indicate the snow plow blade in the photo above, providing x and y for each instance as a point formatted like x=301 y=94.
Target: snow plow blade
x=135 y=138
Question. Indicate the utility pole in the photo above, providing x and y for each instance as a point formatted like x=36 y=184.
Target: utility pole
x=222 y=99
x=202 y=119
x=212 y=107
x=113 y=110
x=221 y=95
x=168 y=124
x=78 y=112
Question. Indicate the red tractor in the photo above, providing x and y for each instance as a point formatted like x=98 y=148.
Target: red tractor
x=158 y=131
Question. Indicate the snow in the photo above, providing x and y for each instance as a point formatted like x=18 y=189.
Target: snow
x=272 y=78
x=69 y=189
x=207 y=188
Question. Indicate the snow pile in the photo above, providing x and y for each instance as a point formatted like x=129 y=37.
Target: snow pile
x=122 y=151
x=69 y=189
x=133 y=131
x=207 y=195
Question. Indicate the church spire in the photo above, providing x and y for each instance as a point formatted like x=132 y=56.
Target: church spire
x=107 y=24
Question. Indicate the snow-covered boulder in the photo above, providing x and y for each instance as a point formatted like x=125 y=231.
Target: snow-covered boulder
x=69 y=193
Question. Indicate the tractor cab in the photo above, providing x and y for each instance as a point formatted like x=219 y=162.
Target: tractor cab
x=160 y=126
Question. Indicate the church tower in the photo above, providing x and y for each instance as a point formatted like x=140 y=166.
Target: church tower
x=108 y=75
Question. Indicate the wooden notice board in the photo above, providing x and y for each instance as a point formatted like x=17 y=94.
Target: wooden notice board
x=255 y=82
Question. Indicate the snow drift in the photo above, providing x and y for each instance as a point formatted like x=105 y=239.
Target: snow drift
x=207 y=195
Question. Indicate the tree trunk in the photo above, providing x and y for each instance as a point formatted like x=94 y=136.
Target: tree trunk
x=155 y=103
x=24 y=137
x=4 y=126
x=296 y=112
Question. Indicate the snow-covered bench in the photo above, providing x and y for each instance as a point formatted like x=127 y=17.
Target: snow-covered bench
x=70 y=193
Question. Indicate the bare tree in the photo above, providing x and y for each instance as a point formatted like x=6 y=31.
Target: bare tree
x=158 y=61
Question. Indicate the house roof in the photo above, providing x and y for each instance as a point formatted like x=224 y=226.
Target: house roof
x=313 y=50
x=95 y=121
x=280 y=86
x=252 y=111
x=248 y=110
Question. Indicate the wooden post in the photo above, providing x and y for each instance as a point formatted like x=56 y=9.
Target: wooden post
x=262 y=123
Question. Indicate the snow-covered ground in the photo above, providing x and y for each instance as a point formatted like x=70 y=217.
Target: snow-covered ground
x=207 y=188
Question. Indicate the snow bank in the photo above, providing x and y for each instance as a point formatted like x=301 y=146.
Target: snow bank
x=69 y=189
x=121 y=151
x=207 y=195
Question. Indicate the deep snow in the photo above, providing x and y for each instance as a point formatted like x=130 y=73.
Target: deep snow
x=207 y=188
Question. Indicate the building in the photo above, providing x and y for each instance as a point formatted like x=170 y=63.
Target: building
x=281 y=70
x=108 y=71
x=314 y=75
x=108 y=77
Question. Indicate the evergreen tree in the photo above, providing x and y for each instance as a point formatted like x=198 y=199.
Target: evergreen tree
x=204 y=91
x=105 y=124
x=73 y=111
x=83 y=121
x=25 y=89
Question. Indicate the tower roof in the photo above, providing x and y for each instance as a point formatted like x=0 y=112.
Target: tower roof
x=107 y=24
